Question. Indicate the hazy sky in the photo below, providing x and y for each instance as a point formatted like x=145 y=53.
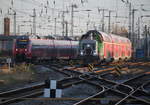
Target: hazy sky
x=47 y=10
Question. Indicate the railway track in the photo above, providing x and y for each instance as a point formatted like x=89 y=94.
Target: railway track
x=138 y=81
x=110 y=92
x=146 y=87
x=122 y=88
x=17 y=94
x=74 y=78
x=121 y=93
x=120 y=76
x=36 y=90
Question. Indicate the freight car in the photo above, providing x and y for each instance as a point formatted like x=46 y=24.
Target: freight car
x=26 y=48
x=99 y=46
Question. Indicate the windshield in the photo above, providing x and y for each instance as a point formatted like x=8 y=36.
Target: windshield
x=22 y=43
x=91 y=45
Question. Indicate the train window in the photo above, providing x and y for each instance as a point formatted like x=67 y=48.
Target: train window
x=83 y=46
x=22 y=43
x=92 y=45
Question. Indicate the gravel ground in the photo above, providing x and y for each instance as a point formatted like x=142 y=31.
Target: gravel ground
x=82 y=90
x=41 y=74
x=44 y=73
x=38 y=102
x=76 y=91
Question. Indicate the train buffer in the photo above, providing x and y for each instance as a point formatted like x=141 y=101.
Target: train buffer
x=118 y=70
x=91 y=67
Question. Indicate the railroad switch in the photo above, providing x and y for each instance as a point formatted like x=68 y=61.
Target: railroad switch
x=91 y=67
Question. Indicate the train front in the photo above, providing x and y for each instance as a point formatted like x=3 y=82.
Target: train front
x=88 y=48
x=21 y=48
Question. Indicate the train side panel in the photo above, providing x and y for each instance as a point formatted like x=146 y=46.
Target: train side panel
x=54 y=49
x=63 y=49
x=51 y=50
x=74 y=49
x=39 y=49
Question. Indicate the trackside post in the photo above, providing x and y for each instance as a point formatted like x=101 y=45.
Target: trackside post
x=52 y=89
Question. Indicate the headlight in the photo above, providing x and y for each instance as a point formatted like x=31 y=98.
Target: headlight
x=81 y=53
x=88 y=45
x=94 y=53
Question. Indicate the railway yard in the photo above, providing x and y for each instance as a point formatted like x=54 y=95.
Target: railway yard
x=74 y=52
x=124 y=84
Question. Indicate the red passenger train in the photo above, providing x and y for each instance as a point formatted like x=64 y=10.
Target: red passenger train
x=26 y=48
x=99 y=46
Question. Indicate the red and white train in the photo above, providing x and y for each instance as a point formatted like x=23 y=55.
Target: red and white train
x=26 y=48
x=99 y=46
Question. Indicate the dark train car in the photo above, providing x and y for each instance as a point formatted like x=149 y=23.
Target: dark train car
x=34 y=49
x=99 y=46
x=6 y=46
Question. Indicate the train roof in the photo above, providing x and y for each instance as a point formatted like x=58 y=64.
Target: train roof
x=114 y=38
x=104 y=37
x=4 y=37
x=28 y=37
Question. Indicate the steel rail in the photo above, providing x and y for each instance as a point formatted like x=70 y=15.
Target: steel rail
x=143 y=87
x=14 y=95
x=85 y=100
x=130 y=95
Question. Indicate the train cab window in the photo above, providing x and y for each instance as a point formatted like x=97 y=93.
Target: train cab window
x=22 y=43
x=92 y=45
